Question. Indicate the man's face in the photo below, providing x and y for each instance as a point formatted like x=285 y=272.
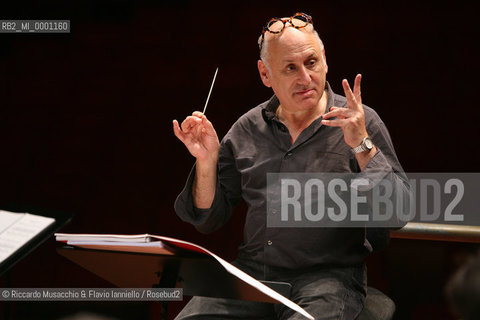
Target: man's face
x=295 y=69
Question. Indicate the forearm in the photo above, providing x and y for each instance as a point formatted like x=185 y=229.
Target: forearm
x=385 y=169
x=203 y=189
x=363 y=158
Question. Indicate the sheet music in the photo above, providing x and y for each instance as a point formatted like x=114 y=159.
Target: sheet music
x=260 y=286
x=135 y=238
x=16 y=229
x=241 y=275
x=8 y=218
x=183 y=245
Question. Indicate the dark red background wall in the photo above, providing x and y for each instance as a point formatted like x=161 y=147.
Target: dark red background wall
x=85 y=117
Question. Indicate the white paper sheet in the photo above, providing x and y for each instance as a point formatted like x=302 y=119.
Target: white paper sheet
x=193 y=247
x=16 y=229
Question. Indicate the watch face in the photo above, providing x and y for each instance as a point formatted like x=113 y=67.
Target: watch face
x=368 y=143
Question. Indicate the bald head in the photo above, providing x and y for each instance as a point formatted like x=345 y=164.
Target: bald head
x=295 y=67
x=270 y=39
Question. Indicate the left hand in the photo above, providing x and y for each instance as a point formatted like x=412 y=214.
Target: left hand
x=352 y=118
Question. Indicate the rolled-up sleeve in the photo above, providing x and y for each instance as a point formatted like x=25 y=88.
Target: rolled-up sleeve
x=385 y=166
x=227 y=195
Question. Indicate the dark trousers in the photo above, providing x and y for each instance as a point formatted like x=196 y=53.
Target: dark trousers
x=325 y=293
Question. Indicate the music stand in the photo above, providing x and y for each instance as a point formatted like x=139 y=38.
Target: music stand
x=197 y=274
x=61 y=219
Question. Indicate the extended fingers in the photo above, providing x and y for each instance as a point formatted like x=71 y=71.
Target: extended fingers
x=338 y=112
x=347 y=90
x=356 y=88
x=354 y=100
x=335 y=123
x=345 y=117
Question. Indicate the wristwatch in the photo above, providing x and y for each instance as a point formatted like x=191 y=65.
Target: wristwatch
x=366 y=145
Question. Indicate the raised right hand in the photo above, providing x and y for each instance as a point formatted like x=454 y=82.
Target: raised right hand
x=199 y=136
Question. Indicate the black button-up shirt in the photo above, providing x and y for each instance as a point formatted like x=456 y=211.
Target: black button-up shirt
x=258 y=143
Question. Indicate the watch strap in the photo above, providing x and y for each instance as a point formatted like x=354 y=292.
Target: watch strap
x=362 y=147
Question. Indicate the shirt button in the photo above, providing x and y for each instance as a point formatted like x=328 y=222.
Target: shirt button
x=269 y=242
x=289 y=154
x=274 y=211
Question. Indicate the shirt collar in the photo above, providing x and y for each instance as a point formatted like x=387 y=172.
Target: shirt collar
x=270 y=109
